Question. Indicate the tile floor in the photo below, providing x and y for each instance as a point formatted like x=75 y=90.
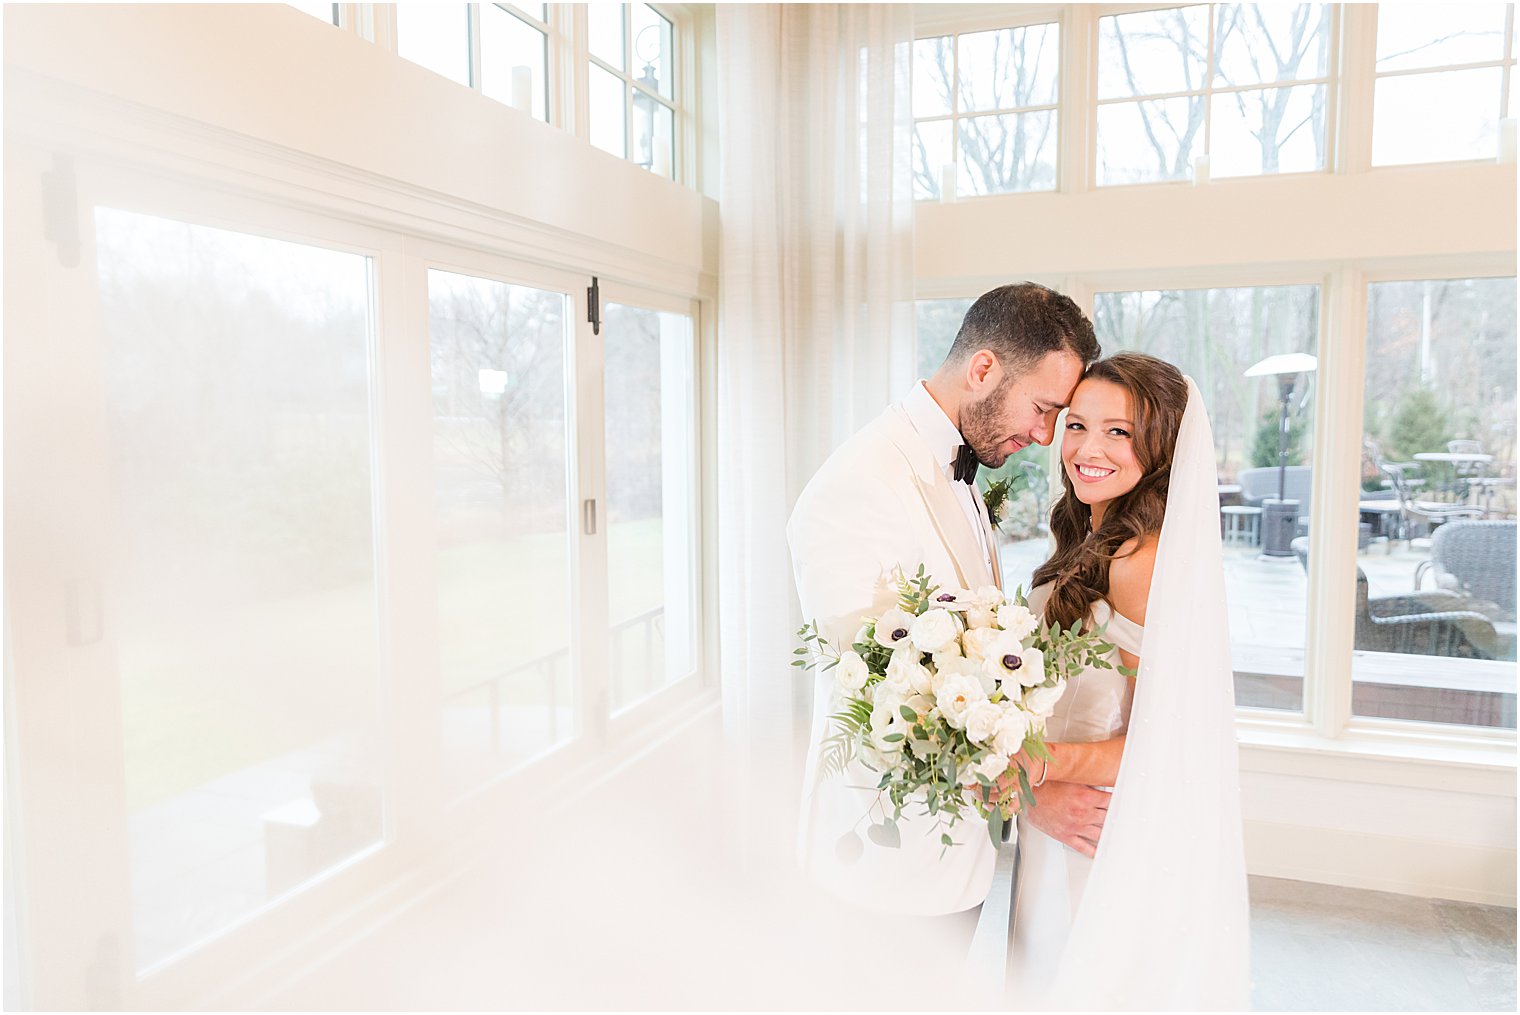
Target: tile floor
x=489 y=944
x=1323 y=948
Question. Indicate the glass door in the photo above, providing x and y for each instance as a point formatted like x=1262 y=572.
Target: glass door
x=195 y=636
x=650 y=439
x=507 y=533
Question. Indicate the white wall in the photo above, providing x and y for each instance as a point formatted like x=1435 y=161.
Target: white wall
x=269 y=73
x=1377 y=218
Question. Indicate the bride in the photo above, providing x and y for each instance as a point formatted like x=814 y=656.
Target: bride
x=1152 y=914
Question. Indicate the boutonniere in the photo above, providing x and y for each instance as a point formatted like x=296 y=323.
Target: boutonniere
x=996 y=498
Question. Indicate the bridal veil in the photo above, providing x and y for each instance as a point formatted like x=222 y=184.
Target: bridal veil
x=1163 y=921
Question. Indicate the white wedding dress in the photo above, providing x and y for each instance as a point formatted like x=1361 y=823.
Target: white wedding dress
x=1052 y=875
x=1159 y=920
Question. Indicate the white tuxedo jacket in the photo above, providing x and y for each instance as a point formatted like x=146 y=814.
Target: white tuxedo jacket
x=881 y=502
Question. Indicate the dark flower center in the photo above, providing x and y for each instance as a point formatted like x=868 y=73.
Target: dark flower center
x=1011 y=662
x=946 y=598
x=899 y=634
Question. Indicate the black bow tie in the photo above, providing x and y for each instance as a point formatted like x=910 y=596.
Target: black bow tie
x=965 y=464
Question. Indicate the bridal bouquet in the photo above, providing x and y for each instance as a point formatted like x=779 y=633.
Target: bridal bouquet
x=939 y=694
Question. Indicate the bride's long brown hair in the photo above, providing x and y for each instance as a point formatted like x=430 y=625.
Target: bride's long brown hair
x=1078 y=570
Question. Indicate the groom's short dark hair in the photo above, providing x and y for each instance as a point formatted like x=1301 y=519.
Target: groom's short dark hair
x=1022 y=323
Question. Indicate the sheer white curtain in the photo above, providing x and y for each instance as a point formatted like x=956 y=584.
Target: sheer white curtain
x=815 y=334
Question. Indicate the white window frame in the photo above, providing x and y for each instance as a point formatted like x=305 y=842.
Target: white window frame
x=1505 y=63
x=1330 y=80
x=1340 y=744
x=1012 y=18
x=682 y=70
x=377 y=23
x=263 y=189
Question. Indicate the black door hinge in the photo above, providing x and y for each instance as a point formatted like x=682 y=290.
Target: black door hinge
x=594 y=306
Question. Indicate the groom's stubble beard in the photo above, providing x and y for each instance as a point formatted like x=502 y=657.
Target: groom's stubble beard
x=985 y=426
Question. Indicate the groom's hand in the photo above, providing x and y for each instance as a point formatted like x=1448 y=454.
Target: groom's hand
x=1070 y=813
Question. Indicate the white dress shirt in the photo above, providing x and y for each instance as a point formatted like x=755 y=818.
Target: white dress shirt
x=945 y=440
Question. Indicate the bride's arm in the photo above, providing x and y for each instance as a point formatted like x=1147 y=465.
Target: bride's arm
x=1097 y=763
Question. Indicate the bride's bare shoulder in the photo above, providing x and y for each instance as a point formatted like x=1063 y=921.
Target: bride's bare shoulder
x=1129 y=576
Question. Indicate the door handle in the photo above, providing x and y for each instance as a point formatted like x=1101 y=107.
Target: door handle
x=588 y=517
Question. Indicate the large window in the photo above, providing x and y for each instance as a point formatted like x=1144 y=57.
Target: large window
x=650 y=427
x=631 y=86
x=1215 y=336
x=1445 y=77
x=243 y=599
x=984 y=108
x=1243 y=86
x=499 y=49
x=501 y=489
x=1435 y=600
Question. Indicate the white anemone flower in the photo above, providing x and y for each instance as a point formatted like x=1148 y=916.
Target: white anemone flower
x=892 y=628
x=952 y=599
x=1009 y=661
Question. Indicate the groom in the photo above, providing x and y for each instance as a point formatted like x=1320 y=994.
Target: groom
x=901 y=492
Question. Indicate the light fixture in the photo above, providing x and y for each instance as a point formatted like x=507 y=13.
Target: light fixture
x=645 y=107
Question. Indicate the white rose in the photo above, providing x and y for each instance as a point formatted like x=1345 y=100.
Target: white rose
x=978 y=618
x=992 y=766
x=851 y=672
x=948 y=664
x=988 y=597
x=984 y=606
x=892 y=628
x=900 y=669
x=976 y=641
x=884 y=708
x=890 y=750
x=935 y=630
x=1017 y=620
x=952 y=650
x=1042 y=700
x=921 y=704
x=1012 y=728
x=879 y=760
x=956 y=695
x=921 y=678
x=981 y=721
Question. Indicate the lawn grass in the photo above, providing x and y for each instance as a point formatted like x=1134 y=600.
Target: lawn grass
x=207 y=691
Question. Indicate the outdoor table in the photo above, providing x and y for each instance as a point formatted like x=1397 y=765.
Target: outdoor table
x=1454 y=459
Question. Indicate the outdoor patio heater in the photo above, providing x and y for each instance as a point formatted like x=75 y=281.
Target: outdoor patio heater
x=1279 y=517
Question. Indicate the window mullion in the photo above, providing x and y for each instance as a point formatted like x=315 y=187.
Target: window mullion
x=955 y=126
x=476 y=72
x=1328 y=638
x=1208 y=89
